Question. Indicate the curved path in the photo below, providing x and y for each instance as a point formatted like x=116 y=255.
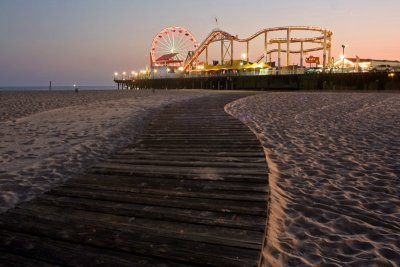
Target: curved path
x=191 y=192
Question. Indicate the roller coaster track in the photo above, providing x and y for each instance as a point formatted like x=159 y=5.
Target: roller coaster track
x=291 y=28
x=218 y=34
x=210 y=38
x=291 y=51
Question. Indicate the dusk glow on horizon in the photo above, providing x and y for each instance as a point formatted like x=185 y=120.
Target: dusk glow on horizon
x=88 y=42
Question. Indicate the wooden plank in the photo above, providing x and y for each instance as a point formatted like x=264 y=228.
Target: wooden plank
x=228 y=206
x=205 y=151
x=55 y=252
x=165 y=193
x=123 y=240
x=192 y=164
x=182 y=169
x=8 y=259
x=149 y=151
x=174 y=175
x=188 y=158
x=166 y=183
x=200 y=140
x=212 y=218
x=212 y=234
x=203 y=147
x=192 y=191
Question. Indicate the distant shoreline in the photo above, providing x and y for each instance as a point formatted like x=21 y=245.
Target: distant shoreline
x=54 y=88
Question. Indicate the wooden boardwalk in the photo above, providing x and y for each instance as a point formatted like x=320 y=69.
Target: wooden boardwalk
x=191 y=192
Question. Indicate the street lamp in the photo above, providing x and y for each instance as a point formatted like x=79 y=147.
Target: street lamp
x=343 y=57
x=244 y=56
x=115 y=75
x=123 y=75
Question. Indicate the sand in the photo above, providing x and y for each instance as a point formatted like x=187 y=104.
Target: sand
x=334 y=162
x=48 y=137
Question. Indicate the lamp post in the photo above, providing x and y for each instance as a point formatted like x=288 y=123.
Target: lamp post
x=343 y=57
x=115 y=75
x=244 y=57
x=123 y=75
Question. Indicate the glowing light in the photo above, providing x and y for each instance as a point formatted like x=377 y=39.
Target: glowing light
x=124 y=73
x=74 y=85
x=244 y=55
x=116 y=74
x=342 y=57
x=180 y=68
x=391 y=75
x=155 y=71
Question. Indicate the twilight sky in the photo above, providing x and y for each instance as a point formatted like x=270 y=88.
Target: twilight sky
x=86 y=41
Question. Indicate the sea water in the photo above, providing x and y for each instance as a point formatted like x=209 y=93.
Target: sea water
x=55 y=88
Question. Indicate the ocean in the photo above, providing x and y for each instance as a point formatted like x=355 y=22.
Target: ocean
x=55 y=88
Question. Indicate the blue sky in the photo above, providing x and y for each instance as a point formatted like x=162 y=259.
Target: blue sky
x=86 y=41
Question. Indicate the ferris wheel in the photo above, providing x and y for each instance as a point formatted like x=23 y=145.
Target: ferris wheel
x=172 y=45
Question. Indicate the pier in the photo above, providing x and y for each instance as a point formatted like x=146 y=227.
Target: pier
x=323 y=81
x=192 y=191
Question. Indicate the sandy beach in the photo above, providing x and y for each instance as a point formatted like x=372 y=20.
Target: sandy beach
x=333 y=161
x=47 y=137
x=334 y=176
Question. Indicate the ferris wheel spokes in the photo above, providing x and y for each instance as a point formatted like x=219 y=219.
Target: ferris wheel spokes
x=172 y=45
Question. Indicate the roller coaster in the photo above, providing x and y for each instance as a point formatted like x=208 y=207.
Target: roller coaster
x=323 y=41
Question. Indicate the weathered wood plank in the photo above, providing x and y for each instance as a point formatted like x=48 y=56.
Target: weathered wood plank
x=8 y=259
x=212 y=234
x=224 y=219
x=191 y=191
x=249 y=197
x=56 y=252
x=154 y=244
x=229 y=206
x=182 y=169
x=175 y=175
x=166 y=183
x=192 y=164
x=149 y=151
x=188 y=158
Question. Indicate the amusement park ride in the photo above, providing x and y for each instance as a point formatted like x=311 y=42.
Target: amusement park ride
x=178 y=61
x=171 y=46
x=176 y=48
